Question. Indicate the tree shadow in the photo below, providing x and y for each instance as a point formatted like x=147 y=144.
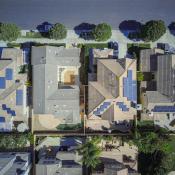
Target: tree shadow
x=84 y=30
x=172 y=28
x=131 y=29
x=44 y=28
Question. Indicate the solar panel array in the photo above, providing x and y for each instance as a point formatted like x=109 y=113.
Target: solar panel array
x=2 y=83
x=8 y=110
x=164 y=109
x=122 y=106
x=102 y=108
x=9 y=74
x=2 y=119
x=130 y=87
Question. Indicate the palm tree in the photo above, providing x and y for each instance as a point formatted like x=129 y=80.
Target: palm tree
x=90 y=152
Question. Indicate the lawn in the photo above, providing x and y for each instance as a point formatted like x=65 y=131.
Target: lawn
x=33 y=35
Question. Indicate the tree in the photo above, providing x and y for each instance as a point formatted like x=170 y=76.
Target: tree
x=9 y=32
x=90 y=152
x=102 y=32
x=153 y=30
x=155 y=151
x=58 y=31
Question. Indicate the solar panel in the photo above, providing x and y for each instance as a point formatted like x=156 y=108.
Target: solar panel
x=13 y=113
x=8 y=110
x=19 y=97
x=164 y=109
x=2 y=83
x=9 y=74
x=2 y=119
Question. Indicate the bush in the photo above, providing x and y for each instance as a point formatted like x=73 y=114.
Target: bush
x=140 y=76
x=9 y=32
x=102 y=32
x=153 y=30
x=58 y=31
x=64 y=127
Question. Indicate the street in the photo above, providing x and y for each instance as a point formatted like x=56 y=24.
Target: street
x=30 y=13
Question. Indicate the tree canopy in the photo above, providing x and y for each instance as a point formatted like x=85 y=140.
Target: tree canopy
x=9 y=32
x=102 y=32
x=90 y=152
x=58 y=31
x=153 y=30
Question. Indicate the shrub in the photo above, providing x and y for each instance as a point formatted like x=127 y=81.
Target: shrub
x=58 y=31
x=9 y=32
x=102 y=32
x=140 y=76
x=153 y=30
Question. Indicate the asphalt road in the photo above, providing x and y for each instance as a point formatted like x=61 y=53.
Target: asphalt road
x=29 y=13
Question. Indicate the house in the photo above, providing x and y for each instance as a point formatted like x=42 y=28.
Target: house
x=158 y=103
x=113 y=97
x=13 y=98
x=59 y=159
x=56 y=85
x=15 y=163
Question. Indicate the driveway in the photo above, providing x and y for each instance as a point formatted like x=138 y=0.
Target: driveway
x=29 y=13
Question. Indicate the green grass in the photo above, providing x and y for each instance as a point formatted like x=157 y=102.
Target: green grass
x=33 y=35
x=145 y=123
x=140 y=45
x=13 y=45
x=49 y=44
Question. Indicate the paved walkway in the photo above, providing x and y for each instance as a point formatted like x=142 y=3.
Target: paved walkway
x=117 y=36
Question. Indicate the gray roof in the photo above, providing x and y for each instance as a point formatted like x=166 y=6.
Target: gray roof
x=166 y=76
x=114 y=66
x=48 y=96
x=56 y=56
x=148 y=59
x=156 y=97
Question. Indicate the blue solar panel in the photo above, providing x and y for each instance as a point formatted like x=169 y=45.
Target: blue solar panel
x=125 y=92
x=164 y=109
x=19 y=97
x=13 y=113
x=8 y=110
x=2 y=83
x=2 y=119
x=9 y=74
x=130 y=87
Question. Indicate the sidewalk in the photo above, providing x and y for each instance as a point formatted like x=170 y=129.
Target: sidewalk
x=117 y=36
